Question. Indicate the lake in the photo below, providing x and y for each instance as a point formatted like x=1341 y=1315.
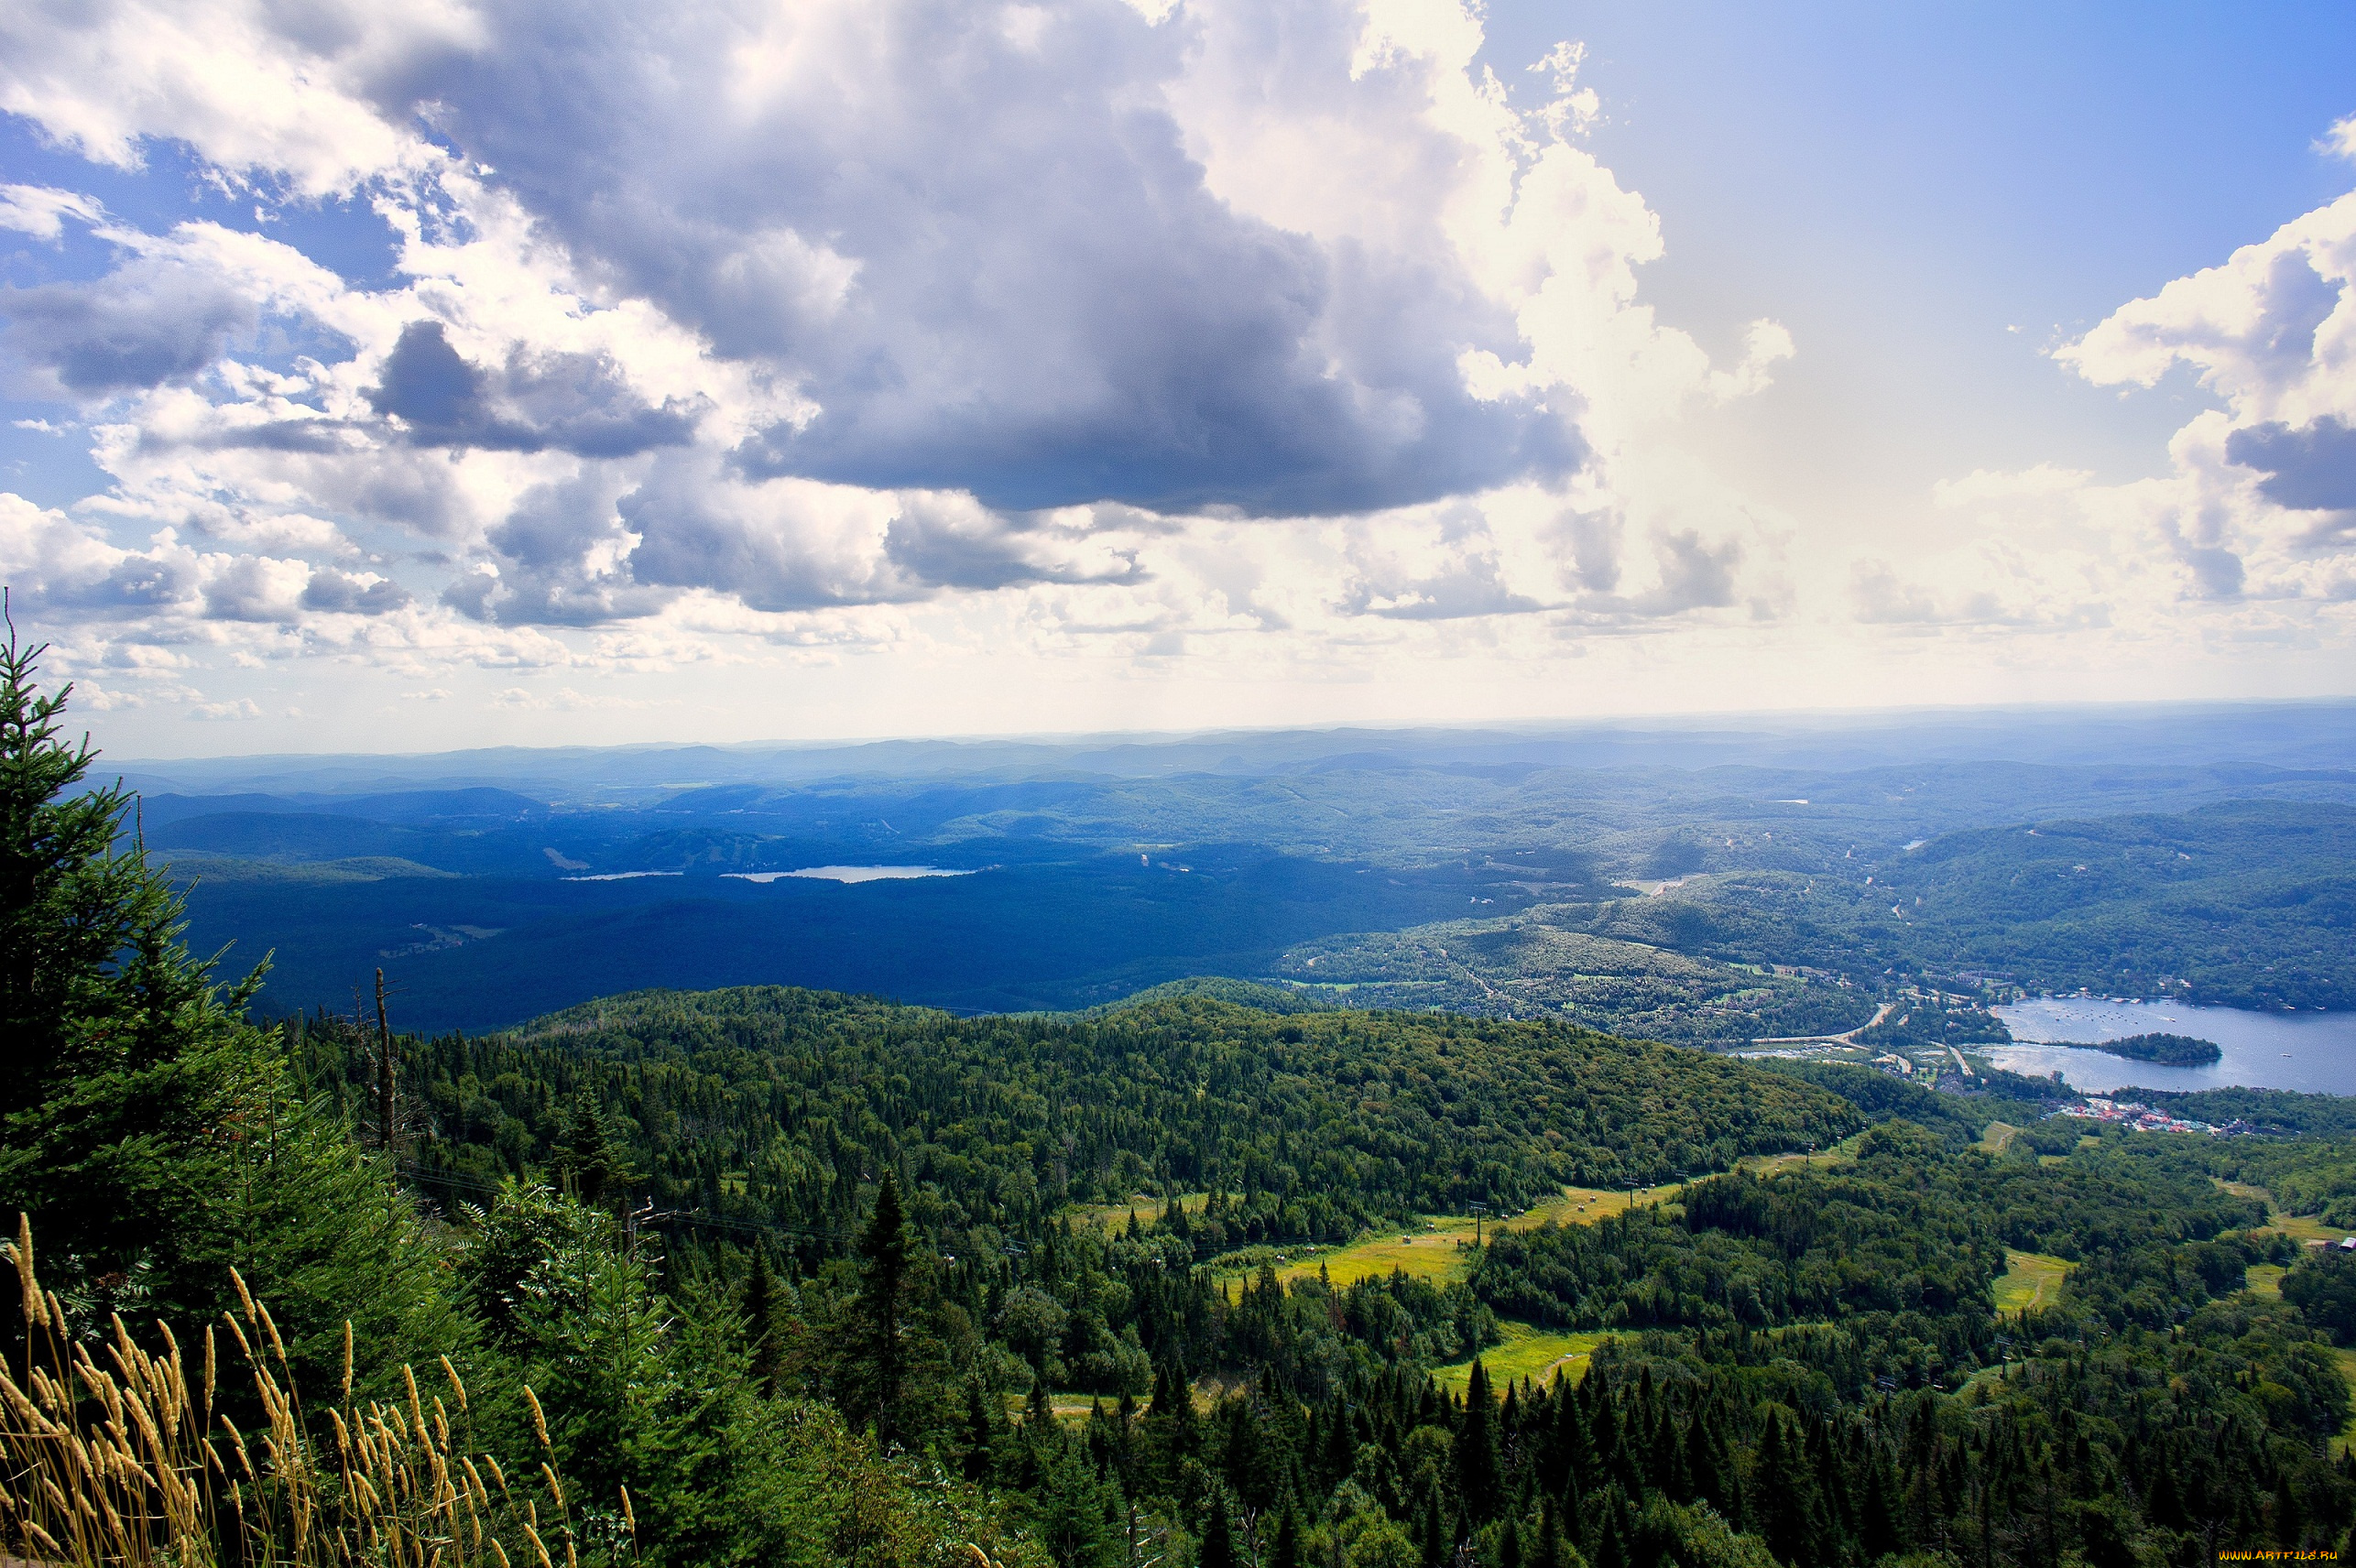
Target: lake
x=850 y=873
x=2313 y=1052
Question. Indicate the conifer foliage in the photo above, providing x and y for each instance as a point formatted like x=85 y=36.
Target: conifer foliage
x=121 y=1060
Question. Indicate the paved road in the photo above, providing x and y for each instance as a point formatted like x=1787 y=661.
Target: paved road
x=1849 y=1038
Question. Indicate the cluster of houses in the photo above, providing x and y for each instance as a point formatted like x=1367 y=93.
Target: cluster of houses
x=2142 y=1118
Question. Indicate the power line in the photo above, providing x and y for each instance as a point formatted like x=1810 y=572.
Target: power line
x=694 y=1218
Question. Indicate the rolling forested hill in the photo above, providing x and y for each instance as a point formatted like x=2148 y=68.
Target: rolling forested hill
x=773 y=1106
x=2237 y=904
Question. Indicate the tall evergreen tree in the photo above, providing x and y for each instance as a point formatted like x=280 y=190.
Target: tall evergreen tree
x=1477 y=1468
x=1285 y=1551
x=886 y=1254
x=122 y=1059
x=152 y=1135
x=984 y=1426
x=1784 y=1494
x=759 y=1310
x=1218 y=1548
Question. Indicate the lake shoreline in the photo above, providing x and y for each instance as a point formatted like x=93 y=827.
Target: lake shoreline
x=2302 y=1052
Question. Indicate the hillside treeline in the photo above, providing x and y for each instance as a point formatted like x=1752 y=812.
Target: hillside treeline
x=780 y=1107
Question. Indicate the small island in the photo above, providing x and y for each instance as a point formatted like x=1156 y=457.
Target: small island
x=2166 y=1050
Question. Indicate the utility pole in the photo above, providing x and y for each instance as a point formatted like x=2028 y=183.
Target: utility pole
x=384 y=1069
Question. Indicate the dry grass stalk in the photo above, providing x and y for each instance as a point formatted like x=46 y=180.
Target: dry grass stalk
x=120 y=1462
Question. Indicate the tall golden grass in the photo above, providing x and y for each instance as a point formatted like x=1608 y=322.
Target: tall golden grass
x=117 y=1456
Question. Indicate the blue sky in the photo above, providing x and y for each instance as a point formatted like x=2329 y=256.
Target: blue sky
x=579 y=373
x=1903 y=184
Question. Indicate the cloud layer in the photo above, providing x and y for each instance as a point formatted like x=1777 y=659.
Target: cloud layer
x=743 y=332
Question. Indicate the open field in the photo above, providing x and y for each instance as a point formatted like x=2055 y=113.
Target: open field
x=1766 y=1165
x=2305 y=1229
x=1533 y=1353
x=2264 y=1280
x=1440 y=1246
x=1584 y=1206
x=1998 y=1137
x=1442 y=1253
x=2030 y=1279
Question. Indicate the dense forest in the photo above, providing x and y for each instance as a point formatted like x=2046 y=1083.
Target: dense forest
x=770 y=1276
x=778 y=1107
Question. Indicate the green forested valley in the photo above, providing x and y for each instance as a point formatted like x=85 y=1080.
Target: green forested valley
x=776 y=1275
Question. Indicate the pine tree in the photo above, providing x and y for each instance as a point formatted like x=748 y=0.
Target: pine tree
x=1285 y=1552
x=585 y=1161
x=121 y=1058
x=1553 y=1550
x=1438 y=1546
x=154 y=1137
x=1218 y=1548
x=1785 y=1495
x=758 y=1310
x=1878 y=1528
x=1477 y=1449
x=886 y=1254
x=984 y=1426
x=1038 y=1411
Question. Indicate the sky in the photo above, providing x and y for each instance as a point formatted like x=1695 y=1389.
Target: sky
x=423 y=377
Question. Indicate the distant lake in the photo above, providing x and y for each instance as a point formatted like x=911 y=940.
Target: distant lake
x=851 y=872
x=2312 y=1052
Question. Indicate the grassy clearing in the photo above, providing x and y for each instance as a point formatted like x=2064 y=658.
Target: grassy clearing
x=1584 y=1206
x=2305 y=1229
x=1766 y=1165
x=1440 y=1247
x=1079 y=1406
x=1528 y=1352
x=1999 y=1137
x=1440 y=1254
x=2264 y=1280
x=2030 y=1279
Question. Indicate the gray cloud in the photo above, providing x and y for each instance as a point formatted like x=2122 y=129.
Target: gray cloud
x=944 y=544
x=148 y=321
x=565 y=402
x=1695 y=574
x=562 y=560
x=1469 y=582
x=989 y=262
x=332 y=590
x=697 y=530
x=1469 y=587
x=1593 y=538
x=2306 y=470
